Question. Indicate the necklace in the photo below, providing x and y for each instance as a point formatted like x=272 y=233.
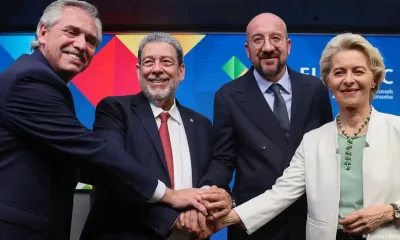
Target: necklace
x=349 y=147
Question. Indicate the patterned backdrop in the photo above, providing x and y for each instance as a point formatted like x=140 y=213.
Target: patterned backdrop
x=211 y=60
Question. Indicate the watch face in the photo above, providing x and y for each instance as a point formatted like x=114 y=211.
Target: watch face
x=397 y=214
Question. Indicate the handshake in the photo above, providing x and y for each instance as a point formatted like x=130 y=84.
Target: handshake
x=206 y=211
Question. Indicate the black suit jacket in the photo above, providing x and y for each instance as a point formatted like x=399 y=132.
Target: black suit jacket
x=129 y=122
x=248 y=138
x=42 y=145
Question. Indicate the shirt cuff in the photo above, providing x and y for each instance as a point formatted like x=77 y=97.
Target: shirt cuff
x=158 y=193
x=206 y=187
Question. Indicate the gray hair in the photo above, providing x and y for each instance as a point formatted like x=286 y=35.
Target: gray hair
x=52 y=14
x=350 y=41
x=162 y=38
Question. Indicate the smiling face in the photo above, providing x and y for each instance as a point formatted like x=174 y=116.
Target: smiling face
x=70 y=44
x=268 y=46
x=159 y=72
x=351 y=79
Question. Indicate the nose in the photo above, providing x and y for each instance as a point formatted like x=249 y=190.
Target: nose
x=267 y=46
x=348 y=79
x=80 y=42
x=157 y=68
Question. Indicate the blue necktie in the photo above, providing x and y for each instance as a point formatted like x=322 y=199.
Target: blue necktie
x=280 y=109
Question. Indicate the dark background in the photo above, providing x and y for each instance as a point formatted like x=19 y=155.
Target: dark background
x=308 y=16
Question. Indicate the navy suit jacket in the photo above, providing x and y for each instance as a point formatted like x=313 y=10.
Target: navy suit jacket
x=129 y=122
x=42 y=145
x=249 y=138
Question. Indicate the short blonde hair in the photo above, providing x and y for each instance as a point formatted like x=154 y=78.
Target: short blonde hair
x=350 y=41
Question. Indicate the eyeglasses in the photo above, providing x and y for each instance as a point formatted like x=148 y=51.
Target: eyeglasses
x=276 y=39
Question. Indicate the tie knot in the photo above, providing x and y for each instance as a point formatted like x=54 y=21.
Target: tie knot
x=164 y=116
x=275 y=88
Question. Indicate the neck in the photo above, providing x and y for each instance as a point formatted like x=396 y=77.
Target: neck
x=165 y=104
x=352 y=118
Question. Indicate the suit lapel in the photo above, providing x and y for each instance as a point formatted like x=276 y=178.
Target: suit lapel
x=190 y=129
x=301 y=102
x=141 y=107
x=251 y=100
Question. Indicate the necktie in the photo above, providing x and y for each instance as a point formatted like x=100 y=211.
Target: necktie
x=166 y=143
x=280 y=109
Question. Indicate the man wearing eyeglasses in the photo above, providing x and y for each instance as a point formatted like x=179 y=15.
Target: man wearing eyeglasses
x=259 y=120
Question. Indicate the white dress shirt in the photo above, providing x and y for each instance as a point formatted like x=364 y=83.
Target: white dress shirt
x=286 y=89
x=180 y=155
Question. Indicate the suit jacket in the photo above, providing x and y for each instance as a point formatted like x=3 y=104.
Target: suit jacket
x=250 y=140
x=129 y=122
x=42 y=144
x=315 y=169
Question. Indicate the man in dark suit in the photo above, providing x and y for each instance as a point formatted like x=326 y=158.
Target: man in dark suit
x=43 y=143
x=259 y=120
x=136 y=123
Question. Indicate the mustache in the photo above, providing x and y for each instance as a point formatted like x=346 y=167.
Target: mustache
x=268 y=54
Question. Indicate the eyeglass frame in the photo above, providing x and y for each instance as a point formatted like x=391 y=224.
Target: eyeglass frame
x=269 y=39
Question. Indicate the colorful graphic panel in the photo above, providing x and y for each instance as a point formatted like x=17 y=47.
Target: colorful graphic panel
x=211 y=61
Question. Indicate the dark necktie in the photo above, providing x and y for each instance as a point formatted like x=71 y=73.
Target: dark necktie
x=166 y=143
x=280 y=109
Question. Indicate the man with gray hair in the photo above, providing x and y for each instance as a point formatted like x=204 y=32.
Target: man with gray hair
x=43 y=143
x=170 y=140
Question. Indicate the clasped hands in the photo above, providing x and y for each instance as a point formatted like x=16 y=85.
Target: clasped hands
x=218 y=204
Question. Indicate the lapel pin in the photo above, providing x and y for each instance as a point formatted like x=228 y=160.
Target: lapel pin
x=191 y=120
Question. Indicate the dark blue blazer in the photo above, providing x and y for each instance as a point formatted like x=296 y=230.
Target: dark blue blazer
x=249 y=138
x=42 y=143
x=129 y=122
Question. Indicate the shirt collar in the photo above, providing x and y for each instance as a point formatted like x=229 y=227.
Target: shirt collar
x=173 y=112
x=264 y=84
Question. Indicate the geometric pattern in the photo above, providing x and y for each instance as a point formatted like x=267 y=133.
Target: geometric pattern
x=211 y=60
x=234 y=68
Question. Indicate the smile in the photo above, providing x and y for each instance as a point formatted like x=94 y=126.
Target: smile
x=349 y=91
x=74 y=56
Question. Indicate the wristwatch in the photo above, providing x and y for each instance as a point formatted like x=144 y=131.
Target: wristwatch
x=396 y=211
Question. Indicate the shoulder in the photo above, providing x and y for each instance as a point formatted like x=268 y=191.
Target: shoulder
x=390 y=120
x=236 y=84
x=196 y=115
x=115 y=103
x=315 y=135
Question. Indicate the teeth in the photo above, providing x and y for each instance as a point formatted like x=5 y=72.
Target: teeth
x=74 y=56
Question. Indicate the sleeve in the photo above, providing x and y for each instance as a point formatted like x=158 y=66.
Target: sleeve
x=288 y=188
x=223 y=150
x=37 y=111
x=109 y=124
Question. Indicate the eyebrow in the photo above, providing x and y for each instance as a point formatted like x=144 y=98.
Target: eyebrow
x=80 y=30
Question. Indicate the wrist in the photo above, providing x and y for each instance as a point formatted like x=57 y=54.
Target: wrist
x=389 y=213
x=167 y=198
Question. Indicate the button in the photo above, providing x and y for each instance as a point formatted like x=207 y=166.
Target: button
x=263 y=147
x=155 y=227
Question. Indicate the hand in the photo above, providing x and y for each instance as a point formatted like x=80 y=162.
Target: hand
x=217 y=201
x=367 y=220
x=195 y=223
x=184 y=198
x=231 y=218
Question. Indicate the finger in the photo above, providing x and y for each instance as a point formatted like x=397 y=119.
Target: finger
x=349 y=219
x=187 y=220
x=202 y=222
x=216 y=205
x=212 y=197
x=357 y=231
x=194 y=225
x=222 y=213
x=354 y=225
x=182 y=219
x=200 y=207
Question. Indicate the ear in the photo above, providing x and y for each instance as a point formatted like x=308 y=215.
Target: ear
x=181 y=72
x=289 y=45
x=246 y=47
x=42 y=34
x=138 y=70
